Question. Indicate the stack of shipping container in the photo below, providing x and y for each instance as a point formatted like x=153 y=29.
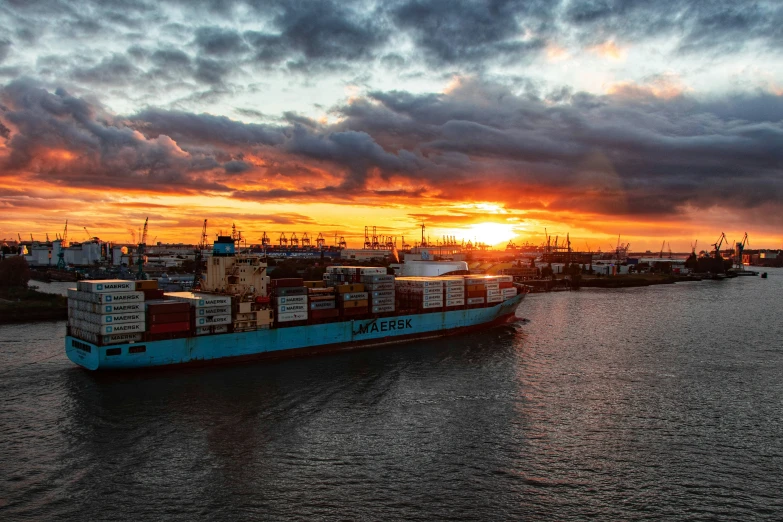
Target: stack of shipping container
x=106 y=312
x=210 y=314
x=419 y=294
x=290 y=301
x=380 y=292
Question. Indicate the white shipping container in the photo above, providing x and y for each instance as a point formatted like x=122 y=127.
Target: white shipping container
x=220 y=328
x=383 y=308
x=215 y=319
x=322 y=305
x=475 y=300
x=494 y=293
x=379 y=301
x=118 y=308
x=366 y=271
x=382 y=293
x=504 y=279
x=292 y=316
x=292 y=299
x=203 y=330
x=377 y=278
x=115 y=298
x=200 y=300
x=121 y=338
x=455 y=294
x=113 y=329
x=495 y=299
x=132 y=317
x=282 y=309
x=455 y=302
x=379 y=286
x=508 y=292
x=355 y=296
x=106 y=286
x=434 y=304
x=214 y=310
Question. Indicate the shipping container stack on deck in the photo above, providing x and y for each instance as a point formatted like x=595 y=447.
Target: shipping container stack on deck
x=454 y=292
x=209 y=313
x=290 y=301
x=322 y=302
x=106 y=312
x=361 y=290
x=380 y=293
x=420 y=294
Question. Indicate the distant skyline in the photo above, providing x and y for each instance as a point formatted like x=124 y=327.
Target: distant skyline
x=488 y=121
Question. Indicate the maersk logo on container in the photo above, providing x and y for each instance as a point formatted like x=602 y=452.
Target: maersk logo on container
x=388 y=325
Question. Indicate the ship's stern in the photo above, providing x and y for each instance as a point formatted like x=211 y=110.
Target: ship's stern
x=82 y=353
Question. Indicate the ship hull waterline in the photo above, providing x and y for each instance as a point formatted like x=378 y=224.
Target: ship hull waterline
x=287 y=342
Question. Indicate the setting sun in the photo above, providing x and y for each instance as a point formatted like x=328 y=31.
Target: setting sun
x=491 y=233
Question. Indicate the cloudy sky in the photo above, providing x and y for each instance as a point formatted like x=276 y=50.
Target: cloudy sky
x=658 y=120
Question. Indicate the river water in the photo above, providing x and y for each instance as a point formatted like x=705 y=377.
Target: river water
x=661 y=403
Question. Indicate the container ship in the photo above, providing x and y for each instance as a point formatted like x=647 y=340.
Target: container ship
x=240 y=314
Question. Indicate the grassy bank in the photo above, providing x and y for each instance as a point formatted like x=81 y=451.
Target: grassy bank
x=20 y=306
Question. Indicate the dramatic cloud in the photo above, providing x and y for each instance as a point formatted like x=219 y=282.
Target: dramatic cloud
x=601 y=108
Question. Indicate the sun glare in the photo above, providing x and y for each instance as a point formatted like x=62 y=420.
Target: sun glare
x=491 y=233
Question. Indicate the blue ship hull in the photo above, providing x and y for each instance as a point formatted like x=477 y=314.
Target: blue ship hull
x=290 y=341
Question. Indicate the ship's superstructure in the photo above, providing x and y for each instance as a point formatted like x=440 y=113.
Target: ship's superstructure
x=241 y=314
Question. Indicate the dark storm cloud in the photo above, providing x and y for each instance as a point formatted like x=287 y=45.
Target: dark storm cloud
x=211 y=71
x=205 y=129
x=113 y=70
x=65 y=140
x=463 y=31
x=715 y=26
x=5 y=48
x=219 y=42
x=630 y=152
x=320 y=31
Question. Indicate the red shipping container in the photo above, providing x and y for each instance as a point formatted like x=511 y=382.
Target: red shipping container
x=508 y=284
x=177 y=317
x=350 y=312
x=170 y=307
x=475 y=293
x=153 y=294
x=169 y=327
x=287 y=282
x=324 y=314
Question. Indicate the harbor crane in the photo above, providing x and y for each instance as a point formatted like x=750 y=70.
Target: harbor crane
x=265 y=241
x=202 y=244
x=717 y=244
x=87 y=232
x=61 y=253
x=140 y=252
x=320 y=242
